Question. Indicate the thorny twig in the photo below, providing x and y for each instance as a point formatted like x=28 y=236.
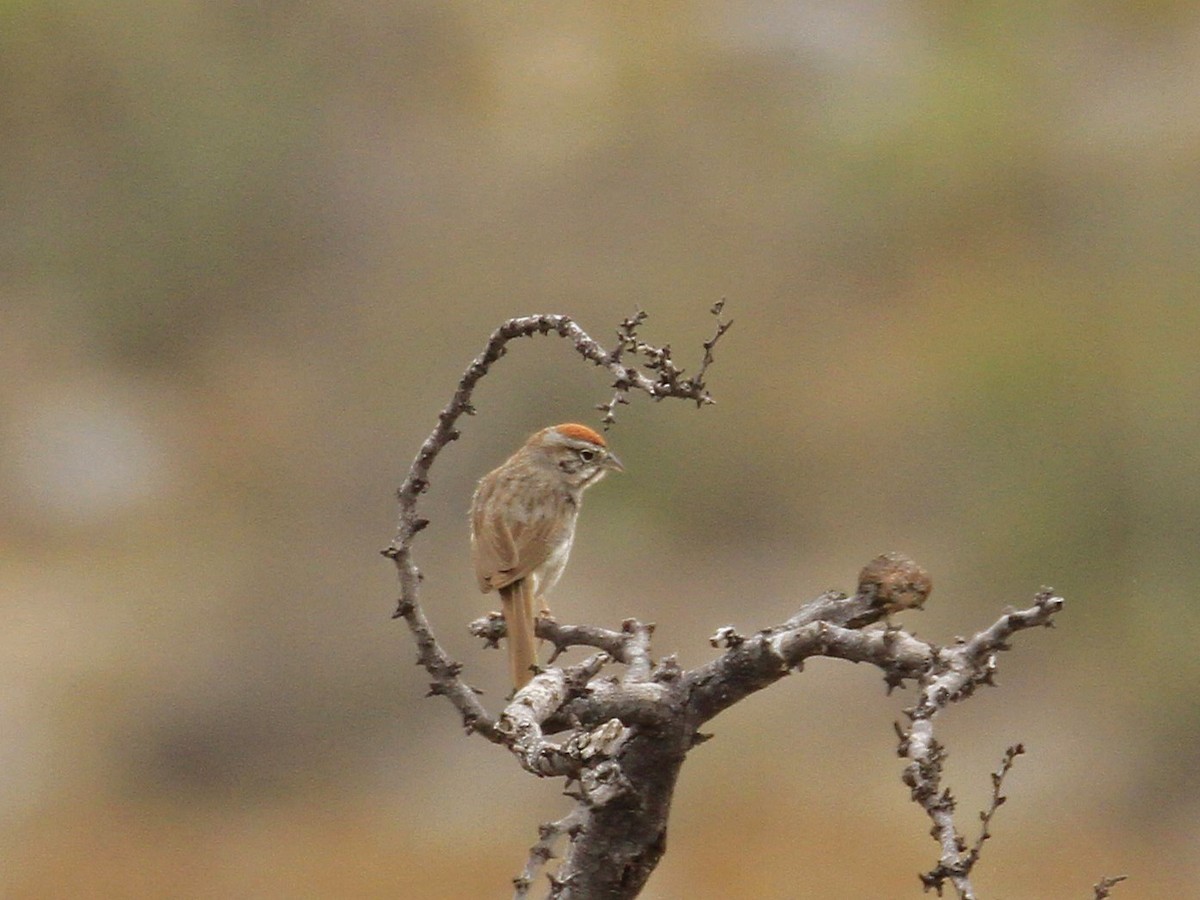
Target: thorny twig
x=1103 y=888
x=997 y=800
x=953 y=675
x=659 y=360
x=542 y=852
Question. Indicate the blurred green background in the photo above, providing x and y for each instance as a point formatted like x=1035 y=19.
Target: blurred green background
x=247 y=250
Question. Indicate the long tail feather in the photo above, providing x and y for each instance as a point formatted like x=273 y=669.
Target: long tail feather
x=517 y=604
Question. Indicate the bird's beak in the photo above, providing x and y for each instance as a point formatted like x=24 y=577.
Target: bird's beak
x=611 y=462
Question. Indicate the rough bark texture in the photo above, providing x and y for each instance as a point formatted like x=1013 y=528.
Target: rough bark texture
x=622 y=841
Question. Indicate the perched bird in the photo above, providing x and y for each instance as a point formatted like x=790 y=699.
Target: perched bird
x=523 y=522
x=892 y=581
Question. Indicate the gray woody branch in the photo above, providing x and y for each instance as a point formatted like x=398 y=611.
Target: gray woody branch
x=954 y=674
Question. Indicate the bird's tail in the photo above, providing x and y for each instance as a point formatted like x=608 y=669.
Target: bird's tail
x=517 y=603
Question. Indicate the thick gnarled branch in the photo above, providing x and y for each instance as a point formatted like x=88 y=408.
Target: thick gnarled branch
x=545 y=694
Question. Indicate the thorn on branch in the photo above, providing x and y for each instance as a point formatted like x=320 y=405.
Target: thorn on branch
x=998 y=800
x=631 y=626
x=1103 y=888
x=491 y=628
x=667 y=671
x=728 y=636
x=893 y=679
x=932 y=881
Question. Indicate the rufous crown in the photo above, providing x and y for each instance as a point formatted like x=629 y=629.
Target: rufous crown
x=579 y=432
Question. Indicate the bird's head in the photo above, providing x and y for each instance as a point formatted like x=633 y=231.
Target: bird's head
x=577 y=451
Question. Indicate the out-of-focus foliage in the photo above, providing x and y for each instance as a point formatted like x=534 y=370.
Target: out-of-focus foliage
x=247 y=249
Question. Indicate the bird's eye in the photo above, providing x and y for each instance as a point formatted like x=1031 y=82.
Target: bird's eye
x=587 y=455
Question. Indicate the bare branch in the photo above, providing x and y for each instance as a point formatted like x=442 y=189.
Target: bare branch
x=491 y=628
x=543 y=851
x=669 y=381
x=826 y=627
x=616 y=644
x=997 y=800
x=722 y=327
x=643 y=704
x=954 y=675
x=445 y=671
x=638 y=649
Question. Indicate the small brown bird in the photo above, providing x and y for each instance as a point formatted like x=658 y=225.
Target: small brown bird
x=523 y=522
x=894 y=582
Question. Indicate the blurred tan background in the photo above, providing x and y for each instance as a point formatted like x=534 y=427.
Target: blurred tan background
x=248 y=248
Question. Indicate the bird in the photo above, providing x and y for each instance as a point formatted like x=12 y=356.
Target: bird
x=893 y=582
x=523 y=516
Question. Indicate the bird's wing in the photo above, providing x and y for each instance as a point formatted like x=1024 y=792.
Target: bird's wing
x=505 y=550
x=492 y=548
